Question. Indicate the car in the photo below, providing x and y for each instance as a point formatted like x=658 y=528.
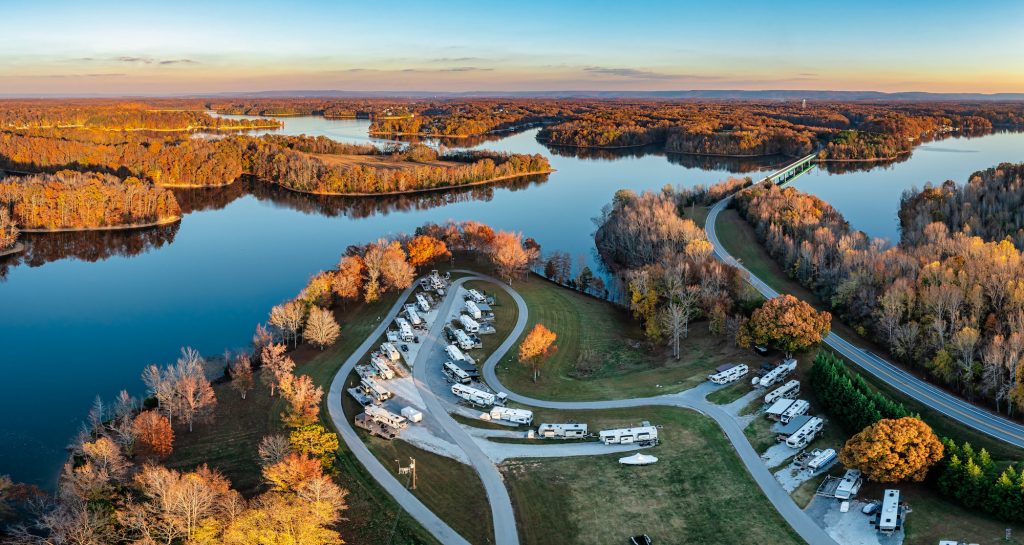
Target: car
x=404 y=347
x=870 y=508
x=640 y=540
x=762 y=350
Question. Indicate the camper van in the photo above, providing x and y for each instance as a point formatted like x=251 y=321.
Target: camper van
x=469 y=324
x=390 y=352
x=562 y=431
x=478 y=397
x=454 y=353
x=463 y=340
x=788 y=390
x=475 y=296
x=806 y=433
x=375 y=390
x=776 y=375
x=732 y=374
x=643 y=436
x=455 y=374
x=473 y=310
x=422 y=303
x=404 y=330
x=518 y=416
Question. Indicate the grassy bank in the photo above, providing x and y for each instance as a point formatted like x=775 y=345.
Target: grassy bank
x=601 y=351
x=698 y=492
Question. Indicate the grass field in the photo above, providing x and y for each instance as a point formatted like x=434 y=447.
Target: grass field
x=601 y=352
x=732 y=392
x=698 y=492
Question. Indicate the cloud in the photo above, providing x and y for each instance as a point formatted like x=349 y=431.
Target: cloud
x=178 y=61
x=129 y=59
x=466 y=69
x=443 y=60
x=633 y=73
x=807 y=75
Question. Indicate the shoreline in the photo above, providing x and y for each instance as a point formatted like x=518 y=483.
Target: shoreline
x=17 y=248
x=196 y=186
x=413 y=191
x=123 y=227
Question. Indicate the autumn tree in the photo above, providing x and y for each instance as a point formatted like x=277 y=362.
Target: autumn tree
x=303 y=399
x=292 y=472
x=424 y=249
x=348 y=281
x=536 y=348
x=509 y=256
x=194 y=396
x=321 y=328
x=154 y=436
x=275 y=366
x=241 y=374
x=189 y=507
x=314 y=440
x=281 y=519
x=287 y=318
x=8 y=230
x=893 y=450
x=788 y=324
x=386 y=269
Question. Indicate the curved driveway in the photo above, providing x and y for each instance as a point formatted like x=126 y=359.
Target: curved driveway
x=927 y=394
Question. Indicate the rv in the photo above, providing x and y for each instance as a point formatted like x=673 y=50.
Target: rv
x=469 y=324
x=386 y=417
x=375 y=390
x=889 y=515
x=805 y=434
x=776 y=375
x=454 y=373
x=413 y=316
x=469 y=368
x=796 y=408
x=412 y=414
x=382 y=367
x=643 y=436
x=390 y=352
x=562 y=431
x=463 y=340
x=454 y=353
x=404 y=330
x=849 y=485
x=788 y=390
x=518 y=416
x=731 y=374
x=436 y=283
x=478 y=397
x=475 y=296
x=366 y=371
x=472 y=310
x=822 y=459
x=422 y=302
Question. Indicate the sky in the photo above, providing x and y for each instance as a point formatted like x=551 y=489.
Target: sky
x=182 y=46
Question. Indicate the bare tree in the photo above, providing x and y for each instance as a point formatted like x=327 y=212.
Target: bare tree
x=275 y=365
x=287 y=318
x=273 y=449
x=241 y=374
x=321 y=328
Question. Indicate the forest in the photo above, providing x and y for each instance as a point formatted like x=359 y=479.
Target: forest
x=945 y=302
x=116 y=116
x=77 y=200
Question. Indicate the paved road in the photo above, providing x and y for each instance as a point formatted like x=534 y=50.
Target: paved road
x=412 y=505
x=948 y=404
x=690 y=399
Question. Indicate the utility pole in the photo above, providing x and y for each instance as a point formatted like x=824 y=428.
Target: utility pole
x=409 y=470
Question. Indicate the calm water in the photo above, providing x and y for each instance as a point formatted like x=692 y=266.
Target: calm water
x=87 y=312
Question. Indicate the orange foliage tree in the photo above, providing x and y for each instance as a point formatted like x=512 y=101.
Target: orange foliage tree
x=893 y=450
x=537 y=347
x=153 y=434
x=425 y=249
x=786 y=323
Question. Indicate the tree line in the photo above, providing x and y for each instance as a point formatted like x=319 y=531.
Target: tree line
x=974 y=480
x=116 y=116
x=71 y=200
x=951 y=305
x=847 y=396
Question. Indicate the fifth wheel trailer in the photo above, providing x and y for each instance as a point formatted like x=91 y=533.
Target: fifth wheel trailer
x=454 y=353
x=805 y=434
x=469 y=324
x=788 y=390
x=518 y=416
x=384 y=416
x=478 y=397
x=642 y=435
x=390 y=351
x=731 y=374
x=455 y=374
x=777 y=374
x=473 y=310
x=375 y=390
x=463 y=340
x=382 y=367
x=422 y=302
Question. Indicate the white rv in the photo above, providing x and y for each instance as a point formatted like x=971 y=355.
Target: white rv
x=889 y=515
x=382 y=367
x=413 y=316
x=562 y=431
x=375 y=390
x=643 y=436
x=788 y=390
x=796 y=408
x=469 y=324
x=472 y=310
x=463 y=340
x=412 y=414
x=404 y=330
x=422 y=302
x=849 y=485
x=518 y=416
x=384 y=416
x=390 y=351
x=803 y=436
x=475 y=296
x=822 y=459
x=454 y=353
x=731 y=374
x=454 y=373
x=776 y=375
x=478 y=397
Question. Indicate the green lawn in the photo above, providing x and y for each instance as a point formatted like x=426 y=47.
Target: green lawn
x=732 y=392
x=698 y=492
x=602 y=353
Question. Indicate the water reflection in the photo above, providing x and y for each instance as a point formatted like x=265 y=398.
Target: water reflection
x=90 y=246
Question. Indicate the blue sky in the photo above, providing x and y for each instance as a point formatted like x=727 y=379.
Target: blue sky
x=186 y=46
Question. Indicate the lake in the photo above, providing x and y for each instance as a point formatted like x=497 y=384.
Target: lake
x=82 y=314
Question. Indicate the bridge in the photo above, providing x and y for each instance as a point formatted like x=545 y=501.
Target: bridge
x=793 y=170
